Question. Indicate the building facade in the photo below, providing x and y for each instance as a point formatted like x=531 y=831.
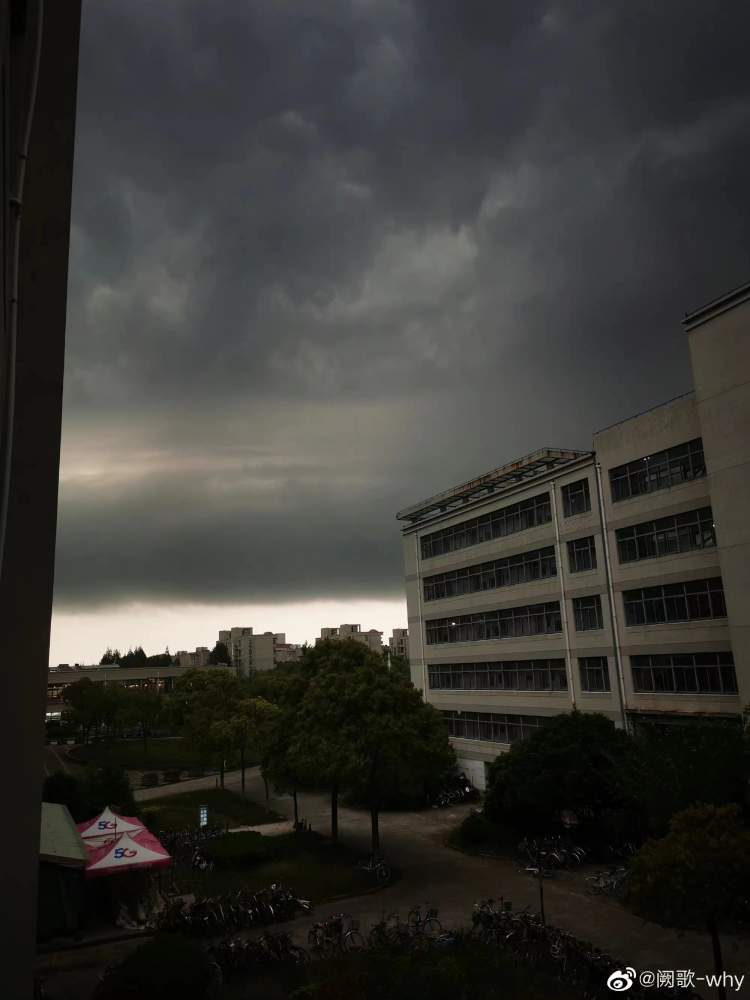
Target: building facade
x=251 y=652
x=398 y=643
x=614 y=580
x=371 y=638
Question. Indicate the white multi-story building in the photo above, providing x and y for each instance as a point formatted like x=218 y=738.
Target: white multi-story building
x=257 y=652
x=398 y=644
x=615 y=580
x=371 y=638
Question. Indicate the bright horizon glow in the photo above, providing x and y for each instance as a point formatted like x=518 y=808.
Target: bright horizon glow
x=82 y=637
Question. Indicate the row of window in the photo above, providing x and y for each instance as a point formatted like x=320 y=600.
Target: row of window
x=669 y=603
x=538 y=564
x=508 y=521
x=658 y=471
x=493 y=727
x=675 y=602
x=531 y=619
x=509 y=675
x=674 y=673
x=667 y=536
x=704 y=673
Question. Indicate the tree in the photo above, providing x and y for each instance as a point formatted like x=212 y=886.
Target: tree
x=698 y=875
x=392 y=736
x=87 y=703
x=399 y=667
x=160 y=660
x=577 y=761
x=110 y=657
x=220 y=654
x=201 y=700
x=679 y=765
x=134 y=658
x=143 y=708
x=251 y=729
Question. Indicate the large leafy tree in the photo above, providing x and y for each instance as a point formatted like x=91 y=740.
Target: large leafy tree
x=248 y=731
x=677 y=766
x=577 y=761
x=134 y=658
x=87 y=703
x=394 y=739
x=696 y=876
x=220 y=654
x=143 y=708
x=200 y=702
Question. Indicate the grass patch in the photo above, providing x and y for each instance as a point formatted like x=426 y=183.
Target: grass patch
x=312 y=865
x=225 y=808
x=159 y=755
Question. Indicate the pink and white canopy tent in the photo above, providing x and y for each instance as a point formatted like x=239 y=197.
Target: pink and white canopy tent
x=107 y=825
x=128 y=852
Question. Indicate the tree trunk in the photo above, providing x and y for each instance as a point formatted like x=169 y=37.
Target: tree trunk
x=375 y=820
x=242 y=768
x=713 y=930
x=296 y=808
x=221 y=773
x=265 y=782
x=145 y=740
x=335 y=812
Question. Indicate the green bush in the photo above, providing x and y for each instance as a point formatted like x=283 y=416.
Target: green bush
x=476 y=830
x=150 y=779
x=241 y=850
x=87 y=795
x=166 y=963
x=172 y=777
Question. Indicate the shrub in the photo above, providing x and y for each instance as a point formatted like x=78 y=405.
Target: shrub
x=69 y=791
x=241 y=850
x=149 y=780
x=195 y=772
x=476 y=830
x=172 y=777
x=166 y=963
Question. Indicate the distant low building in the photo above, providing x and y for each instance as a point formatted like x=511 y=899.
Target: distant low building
x=398 y=644
x=372 y=638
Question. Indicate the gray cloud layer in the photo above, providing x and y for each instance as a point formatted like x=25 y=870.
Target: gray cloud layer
x=330 y=257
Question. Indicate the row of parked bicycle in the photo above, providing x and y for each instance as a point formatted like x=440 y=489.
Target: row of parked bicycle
x=238 y=911
x=577 y=963
x=184 y=842
x=459 y=789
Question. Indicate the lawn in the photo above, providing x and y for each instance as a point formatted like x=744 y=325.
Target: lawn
x=312 y=865
x=225 y=808
x=158 y=755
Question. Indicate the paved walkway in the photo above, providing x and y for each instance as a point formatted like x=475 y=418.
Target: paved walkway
x=433 y=873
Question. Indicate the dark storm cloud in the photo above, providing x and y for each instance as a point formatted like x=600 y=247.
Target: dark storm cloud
x=383 y=246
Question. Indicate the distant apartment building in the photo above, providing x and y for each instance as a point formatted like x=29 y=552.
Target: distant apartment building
x=198 y=658
x=251 y=652
x=398 y=644
x=614 y=580
x=371 y=638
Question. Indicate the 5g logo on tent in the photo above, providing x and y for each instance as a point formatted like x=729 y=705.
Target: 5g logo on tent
x=124 y=852
x=621 y=979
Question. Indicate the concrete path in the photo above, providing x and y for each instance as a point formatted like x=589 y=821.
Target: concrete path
x=414 y=842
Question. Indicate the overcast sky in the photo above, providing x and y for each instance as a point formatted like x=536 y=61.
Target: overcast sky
x=331 y=256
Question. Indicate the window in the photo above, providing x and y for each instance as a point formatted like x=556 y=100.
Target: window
x=594 y=673
x=582 y=554
x=498 y=524
x=538 y=564
x=694 y=673
x=492 y=727
x=532 y=619
x=667 y=536
x=587 y=612
x=675 y=602
x=576 y=498
x=658 y=471
x=508 y=675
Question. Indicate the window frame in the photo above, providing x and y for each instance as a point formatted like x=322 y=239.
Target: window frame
x=580 y=499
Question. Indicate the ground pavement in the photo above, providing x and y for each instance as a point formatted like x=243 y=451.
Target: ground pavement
x=414 y=843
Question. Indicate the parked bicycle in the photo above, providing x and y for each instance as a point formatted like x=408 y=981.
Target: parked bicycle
x=332 y=935
x=375 y=865
x=424 y=923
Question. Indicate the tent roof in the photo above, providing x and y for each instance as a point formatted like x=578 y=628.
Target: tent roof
x=108 y=824
x=127 y=853
x=59 y=841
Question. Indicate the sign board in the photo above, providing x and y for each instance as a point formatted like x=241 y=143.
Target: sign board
x=203 y=816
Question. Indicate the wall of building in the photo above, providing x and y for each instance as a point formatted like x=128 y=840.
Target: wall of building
x=719 y=343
